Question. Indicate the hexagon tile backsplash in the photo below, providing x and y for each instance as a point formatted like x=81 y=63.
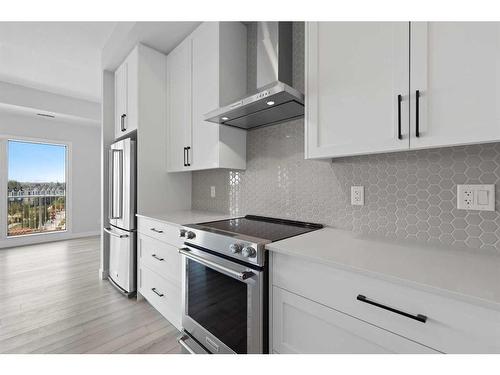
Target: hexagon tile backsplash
x=407 y=194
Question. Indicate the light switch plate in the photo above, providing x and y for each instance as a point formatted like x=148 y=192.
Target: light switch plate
x=357 y=195
x=212 y=191
x=476 y=197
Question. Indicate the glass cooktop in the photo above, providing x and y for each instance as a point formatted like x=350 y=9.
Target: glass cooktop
x=263 y=227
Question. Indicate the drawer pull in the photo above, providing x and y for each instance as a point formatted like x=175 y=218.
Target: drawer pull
x=156 y=230
x=158 y=258
x=400 y=99
x=419 y=317
x=157 y=293
x=417 y=113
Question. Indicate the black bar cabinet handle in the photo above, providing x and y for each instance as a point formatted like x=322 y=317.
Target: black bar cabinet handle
x=400 y=99
x=157 y=257
x=188 y=163
x=155 y=292
x=185 y=149
x=417 y=113
x=123 y=128
x=419 y=317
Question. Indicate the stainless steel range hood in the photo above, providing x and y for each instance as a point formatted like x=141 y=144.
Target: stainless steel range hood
x=275 y=100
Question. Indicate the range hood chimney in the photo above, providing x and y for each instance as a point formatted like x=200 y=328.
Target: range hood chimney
x=276 y=100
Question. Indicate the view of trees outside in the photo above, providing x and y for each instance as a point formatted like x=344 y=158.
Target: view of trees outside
x=36 y=188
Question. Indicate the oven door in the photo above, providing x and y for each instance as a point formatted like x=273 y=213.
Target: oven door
x=222 y=303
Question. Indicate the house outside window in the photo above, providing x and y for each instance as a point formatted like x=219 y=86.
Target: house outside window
x=36 y=187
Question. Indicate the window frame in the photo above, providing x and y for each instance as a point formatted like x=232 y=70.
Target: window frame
x=4 y=177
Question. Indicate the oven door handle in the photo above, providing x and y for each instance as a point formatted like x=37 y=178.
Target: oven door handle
x=236 y=274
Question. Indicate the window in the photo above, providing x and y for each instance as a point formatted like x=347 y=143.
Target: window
x=36 y=191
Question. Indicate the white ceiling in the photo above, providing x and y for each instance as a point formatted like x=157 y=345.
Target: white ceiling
x=59 y=57
x=162 y=36
x=67 y=58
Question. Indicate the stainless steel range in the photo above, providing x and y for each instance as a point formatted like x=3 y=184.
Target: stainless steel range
x=225 y=283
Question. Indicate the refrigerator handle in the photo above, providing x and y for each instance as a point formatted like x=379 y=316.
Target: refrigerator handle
x=110 y=185
x=108 y=230
x=112 y=214
x=120 y=215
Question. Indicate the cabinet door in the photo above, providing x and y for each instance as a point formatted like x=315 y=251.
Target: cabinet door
x=355 y=72
x=455 y=66
x=303 y=326
x=120 y=99
x=132 y=99
x=161 y=257
x=179 y=106
x=205 y=149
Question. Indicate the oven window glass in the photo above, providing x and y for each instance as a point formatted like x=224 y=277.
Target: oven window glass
x=218 y=303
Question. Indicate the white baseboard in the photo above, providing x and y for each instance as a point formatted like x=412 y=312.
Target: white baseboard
x=86 y=234
x=44 y=238
x=103 y=274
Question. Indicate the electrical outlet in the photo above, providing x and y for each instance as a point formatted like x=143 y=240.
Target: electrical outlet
x=468 y=198
x=212 y=191
x=357 y=195
x=476 y=197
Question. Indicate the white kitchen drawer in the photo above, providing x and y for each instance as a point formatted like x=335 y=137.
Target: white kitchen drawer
x=452 y=326
x=159 y=230
x=303 y=326
x=161 y=257
x=163 y=295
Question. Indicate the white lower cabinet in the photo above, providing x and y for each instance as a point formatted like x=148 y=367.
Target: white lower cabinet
x=160 y=257
x=303 y=326
x=161 y=294
x=345 y=311
x=160 y=268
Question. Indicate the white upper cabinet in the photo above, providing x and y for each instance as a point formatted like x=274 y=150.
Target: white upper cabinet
x=455 y=66
x=120 y=99
x=445 y=72
x=126 y=86
x=179 y=105
x=356 y=88
x=207 y=70
x=205 y=94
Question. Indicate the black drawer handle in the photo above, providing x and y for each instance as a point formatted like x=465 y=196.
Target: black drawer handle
x=417 y=113
x=157 y=293
x=156 y=230
x=185 y=151
x=400 y=99
x=419 y=317
x=188 y=163
x=156 y=257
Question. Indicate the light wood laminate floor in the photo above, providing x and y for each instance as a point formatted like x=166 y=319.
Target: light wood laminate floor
x=52 y=301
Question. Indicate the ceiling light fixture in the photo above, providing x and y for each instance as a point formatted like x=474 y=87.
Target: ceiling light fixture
x=270 y=102
x=225 y=118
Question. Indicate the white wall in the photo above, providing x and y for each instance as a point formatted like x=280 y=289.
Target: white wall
x=107 y=137
x=32 y=100
x=85 y=171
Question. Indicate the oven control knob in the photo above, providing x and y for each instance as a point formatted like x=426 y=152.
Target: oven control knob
x=249 y=252
x=236 y=248
x=182 y=233
x=190 y=235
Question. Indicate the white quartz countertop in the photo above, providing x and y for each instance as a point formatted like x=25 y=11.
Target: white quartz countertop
x=470 y=275
x=184 y=217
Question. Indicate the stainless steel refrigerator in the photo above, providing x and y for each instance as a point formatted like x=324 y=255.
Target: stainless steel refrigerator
x=122 y=202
